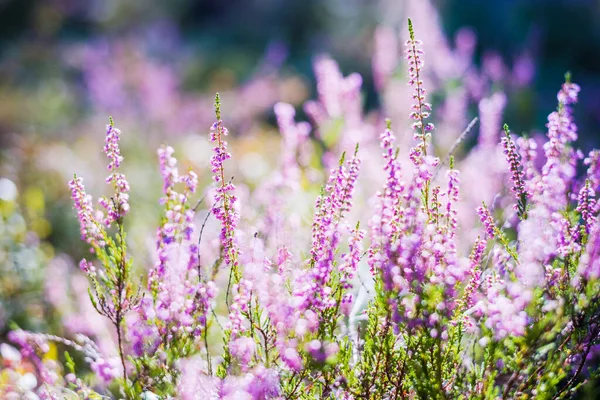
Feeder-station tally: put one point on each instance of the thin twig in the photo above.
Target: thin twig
(363, 283)
(457, 143)
(228, 289)
(208, 358)
(198, 203)
(200, 240)
(216, 319)
(363, 255)
(579, 368)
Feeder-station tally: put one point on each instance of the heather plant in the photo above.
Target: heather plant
(261, 317)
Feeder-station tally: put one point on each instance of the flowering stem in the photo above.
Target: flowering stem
(517, 175)
(230, 250)
(418, 83)
(120, 288)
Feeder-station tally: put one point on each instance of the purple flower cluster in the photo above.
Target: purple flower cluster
(243, 349)
(561, 131)
(349, 264)
(589, 266)
(487, 220)
(118, 205)
(516, 173)
(413, 230)
(339, 101)
(422, 163)
(474, 278)
(421, 109)
(284, 315)
(331, 207)
(111, 147)
(239, 306)
(217, 136)
(144, 335)
(427, 315)
(106, 369)
(178, 220)
(92, 222)
(256, 383)
(587, 205)
(34, 347)
(546, 232)
(386, 221)
(528, 150)
(504, 307)
(168, 168)
(181, 296)
(224, 208)
(337, 94)
(593, 172)
(320, 351)
(278, 191)
(453, 199)
(91, 230)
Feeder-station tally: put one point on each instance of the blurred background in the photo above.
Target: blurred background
(66, 65)
(63, 61)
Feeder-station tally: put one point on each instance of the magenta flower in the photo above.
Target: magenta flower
(91, 229)
(593, 172)
(589, 265)
(168, 167)
(528, 150)
(487, 220)
(516, 173)
(587, 205)
(350, 260)
(388, 218)
(545, 232)
(111, 146)
(453, 198)
(243, 349)
(241, 300)
(118, 205)
(474, 272)
(331, 207)
(421, 109)
(224, 208)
